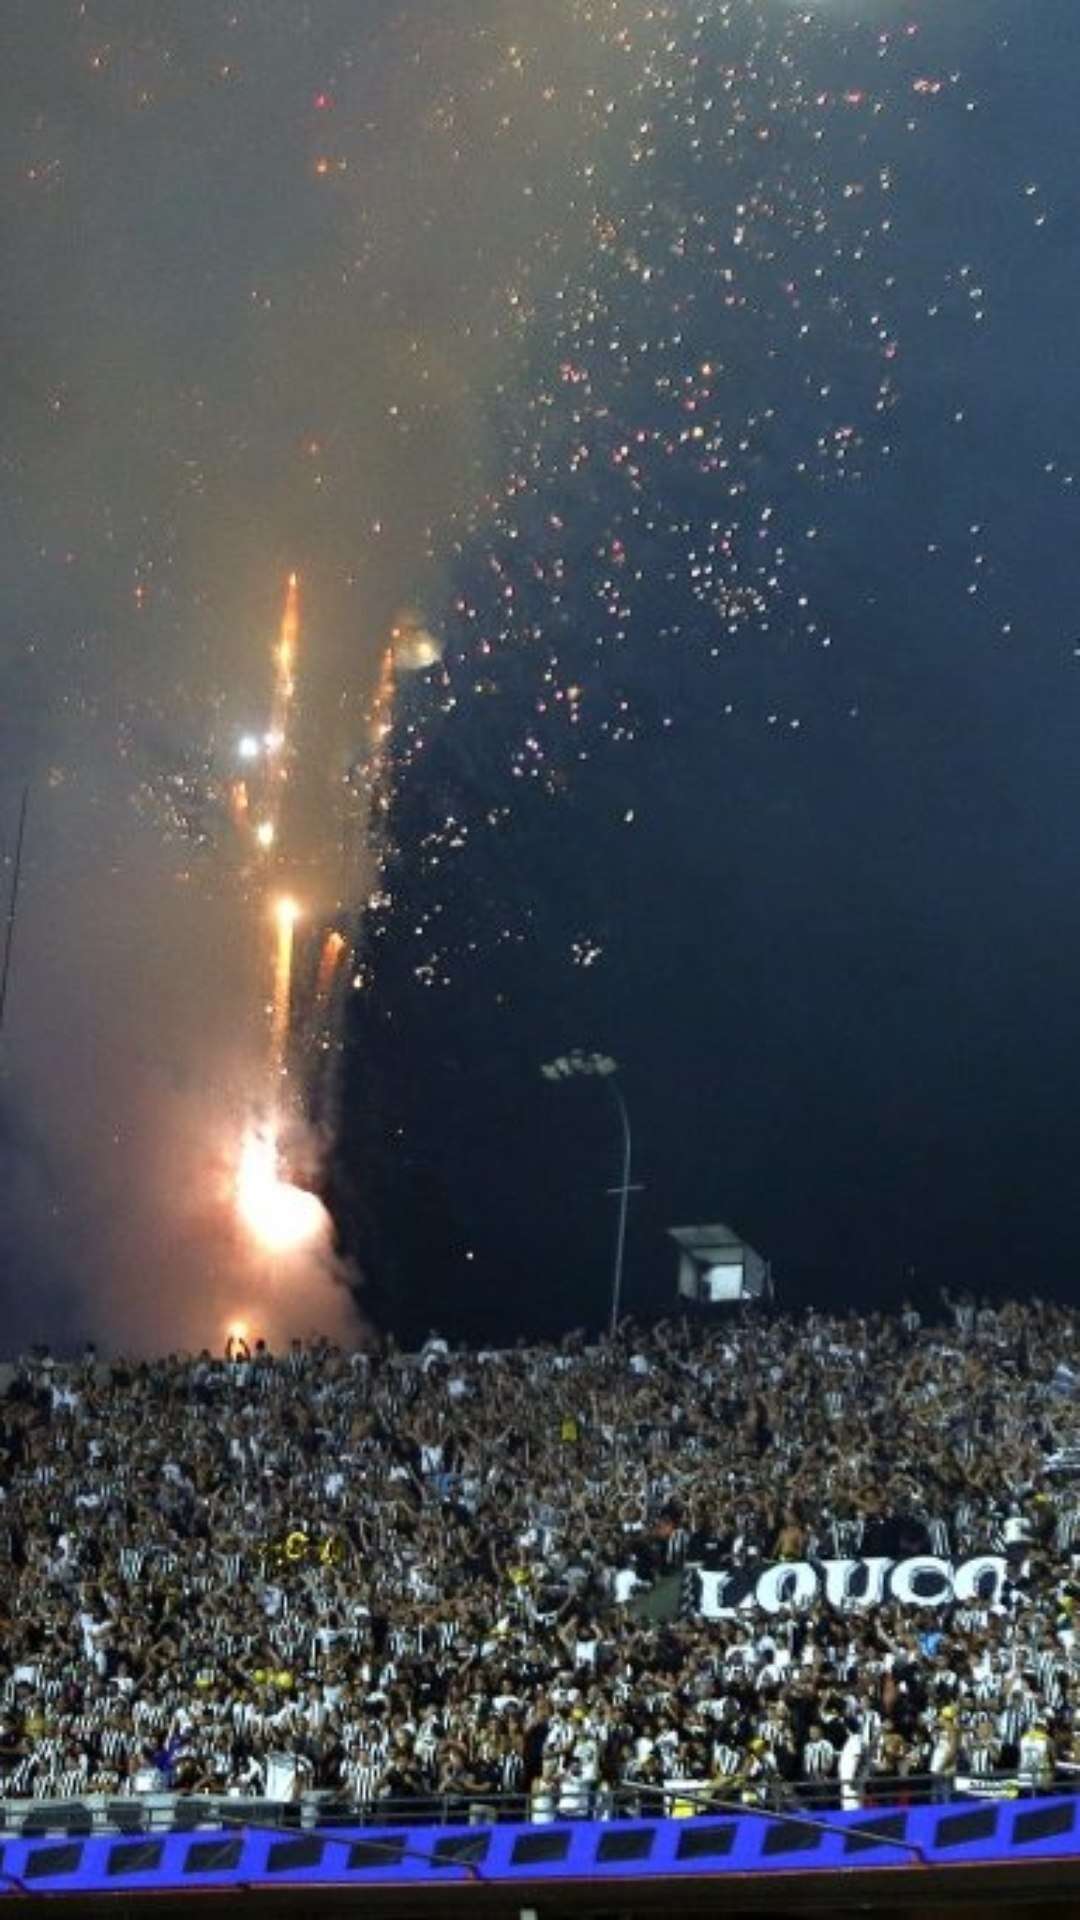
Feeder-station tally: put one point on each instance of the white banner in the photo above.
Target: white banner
(980, 1787)
(923, 1581)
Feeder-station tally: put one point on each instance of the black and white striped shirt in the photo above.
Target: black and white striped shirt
(819, 1758)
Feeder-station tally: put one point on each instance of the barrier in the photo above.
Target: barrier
(163, 1812)
(166, 1813)
(517, 1855)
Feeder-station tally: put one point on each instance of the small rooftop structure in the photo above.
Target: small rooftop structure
(717, 1267)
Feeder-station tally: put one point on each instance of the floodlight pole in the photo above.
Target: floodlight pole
(623, 1192)
(602, 1067)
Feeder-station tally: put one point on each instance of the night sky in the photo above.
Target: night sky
(703, 373)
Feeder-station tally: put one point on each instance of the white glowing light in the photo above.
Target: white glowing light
(249, 747)
(281, 1218)
(414, 647)
(265, 834)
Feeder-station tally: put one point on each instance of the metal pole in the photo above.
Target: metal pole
(624, 1197)
(13, 904)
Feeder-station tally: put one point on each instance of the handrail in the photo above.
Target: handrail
(743, 1809)
(320, 1811)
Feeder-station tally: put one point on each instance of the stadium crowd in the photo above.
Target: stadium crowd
(446, 1573)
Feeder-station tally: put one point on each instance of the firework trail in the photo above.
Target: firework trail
(279, 1214)
(286, 914)
(266, 828)
(277, 739)
(309, 979)
(334, 949)
(365, 800)
(267, 832)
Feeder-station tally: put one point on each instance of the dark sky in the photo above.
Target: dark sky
(704, 373)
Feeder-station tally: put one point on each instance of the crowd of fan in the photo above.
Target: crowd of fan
(431, 1574)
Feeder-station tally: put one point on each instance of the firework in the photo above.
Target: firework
(285, 916)
(281, 1218)
(415, 647)
(274, 747)
(335, 947)
(285, 662)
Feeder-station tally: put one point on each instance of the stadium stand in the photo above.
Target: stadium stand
(450, 1582)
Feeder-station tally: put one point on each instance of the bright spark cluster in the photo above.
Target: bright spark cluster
(713, 353)
(610, 322)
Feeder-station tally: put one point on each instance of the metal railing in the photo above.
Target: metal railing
(165, 1812)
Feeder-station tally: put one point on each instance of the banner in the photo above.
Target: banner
(923, 1581)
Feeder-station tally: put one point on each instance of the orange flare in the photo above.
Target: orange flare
(333, 951)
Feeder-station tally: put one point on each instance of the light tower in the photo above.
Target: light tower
(601, 1066)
